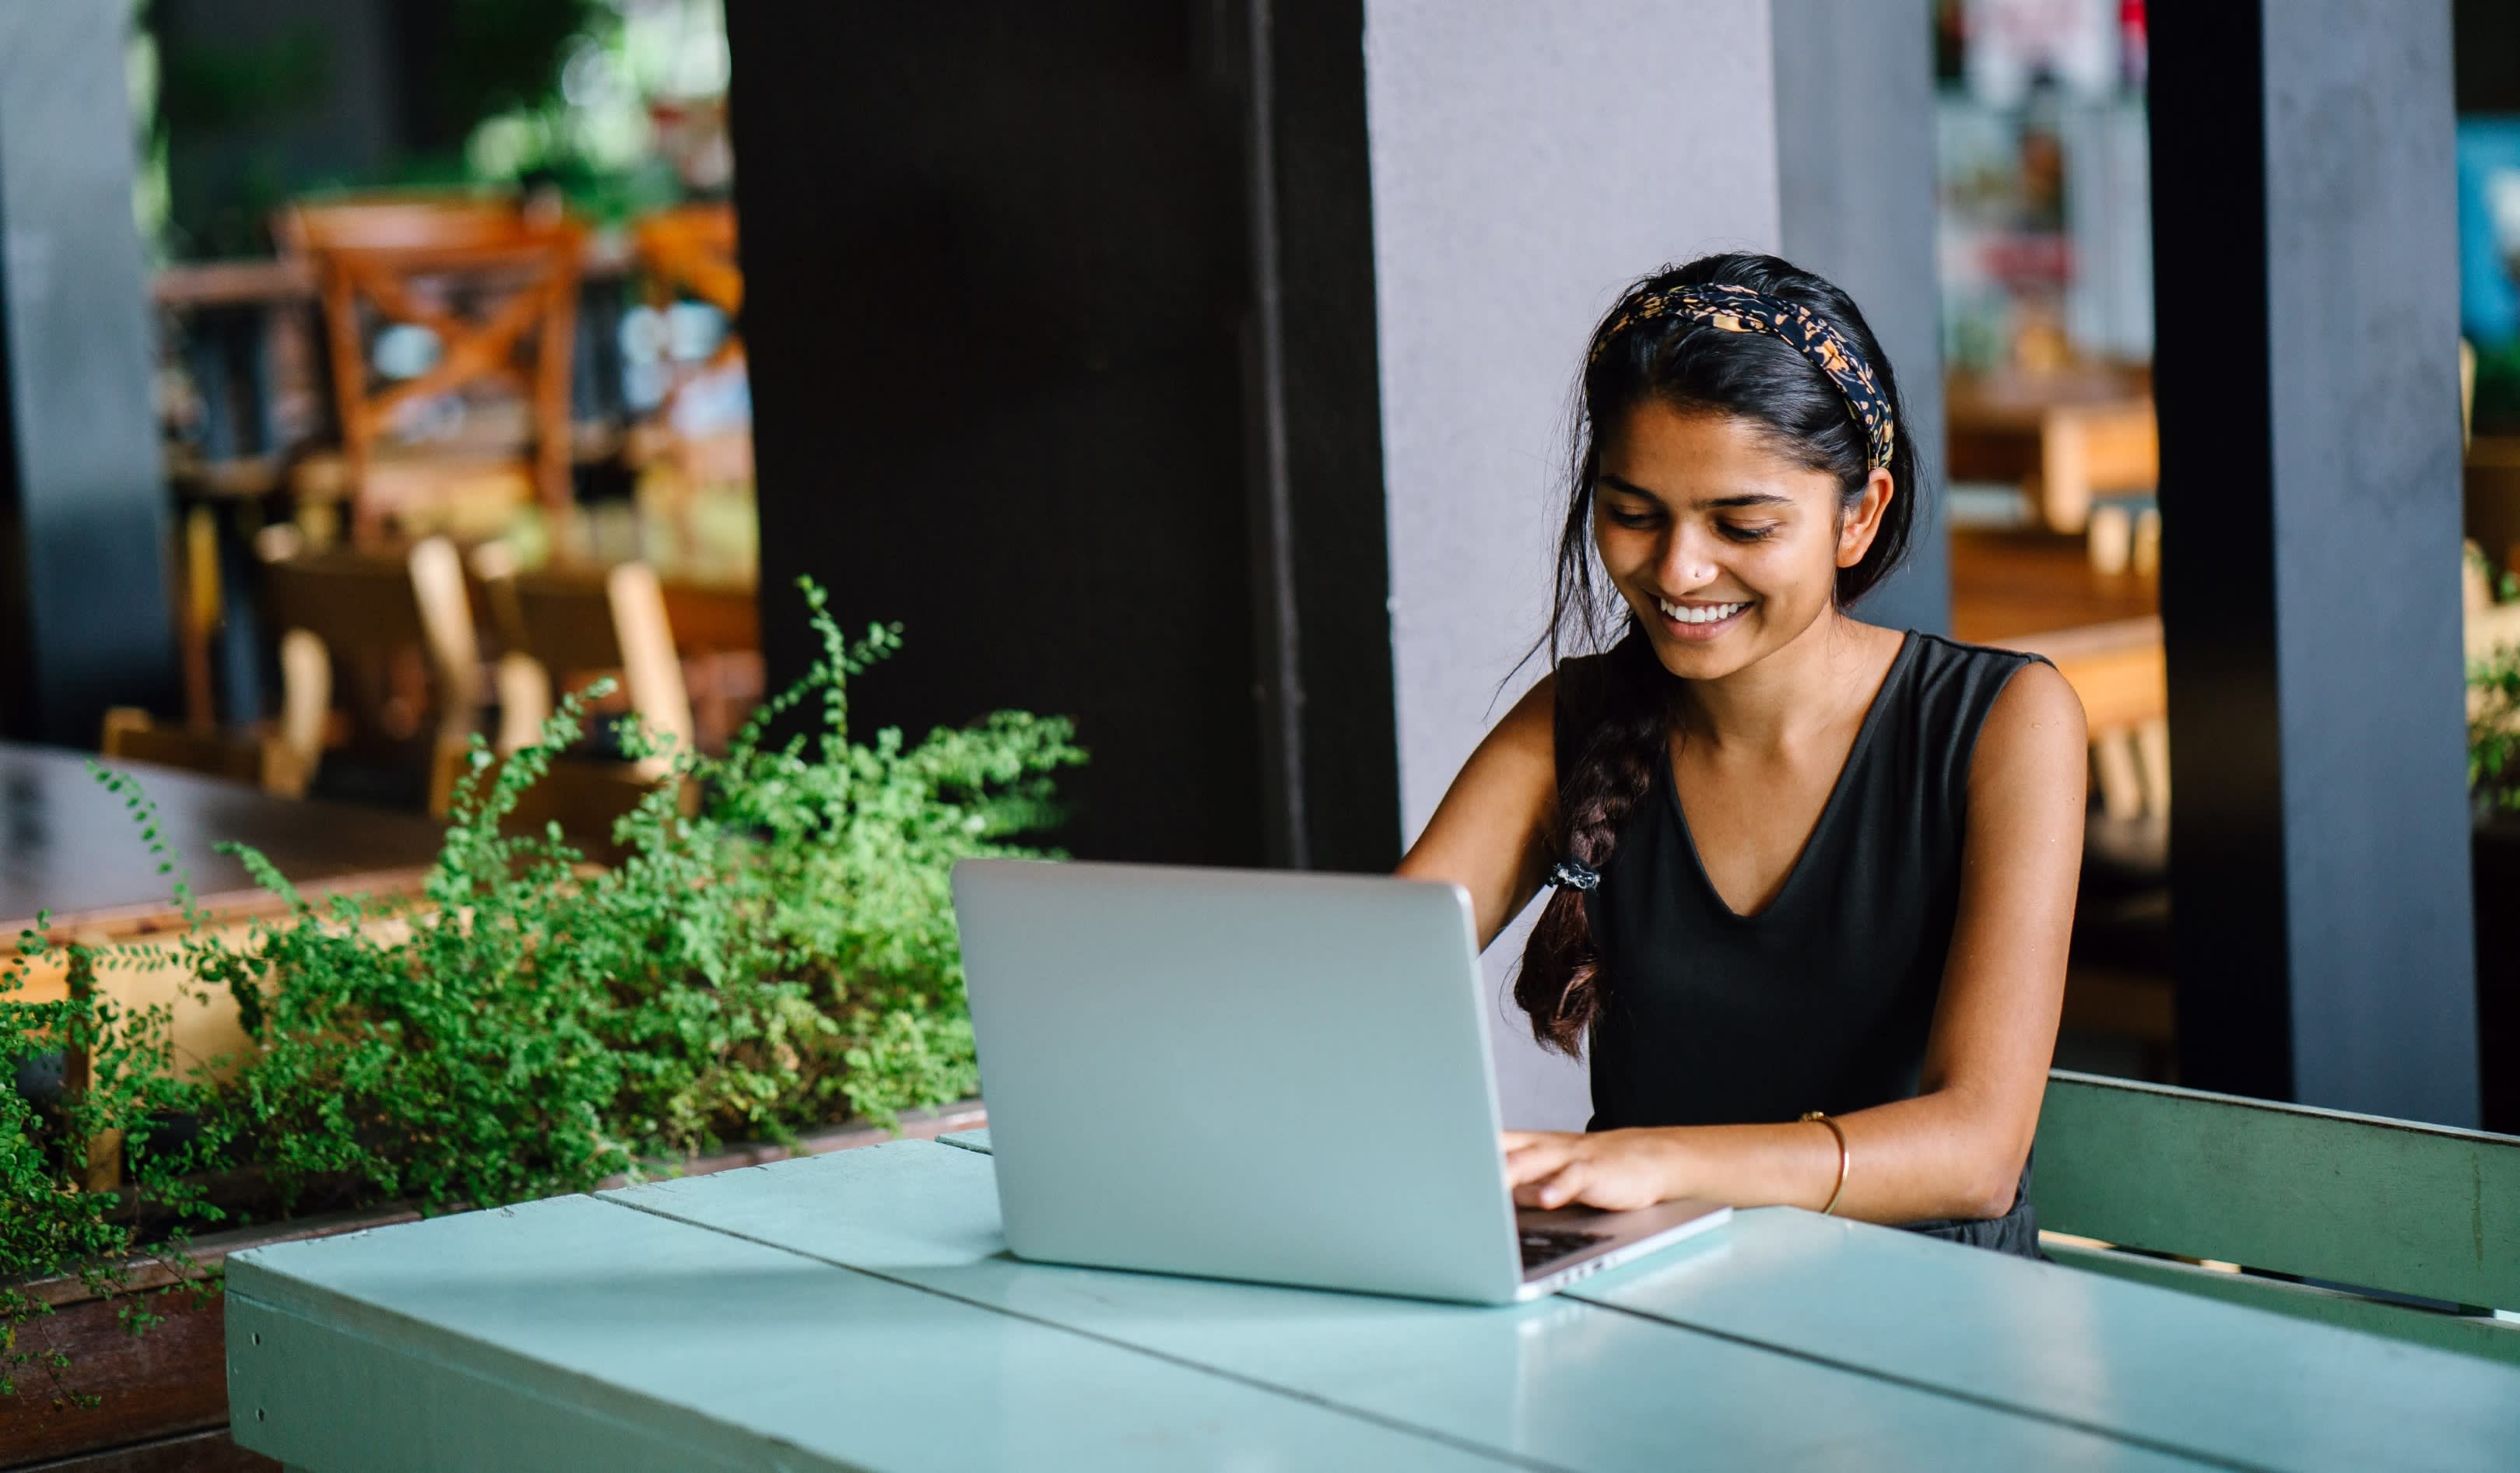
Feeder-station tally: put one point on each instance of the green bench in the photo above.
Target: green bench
(2394, 1207)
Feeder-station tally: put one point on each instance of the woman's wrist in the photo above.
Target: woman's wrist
(1844, 1159)
(1674, 1160)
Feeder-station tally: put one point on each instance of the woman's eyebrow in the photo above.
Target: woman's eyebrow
(1709, 504)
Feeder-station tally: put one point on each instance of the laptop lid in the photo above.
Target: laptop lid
(1239, 1074)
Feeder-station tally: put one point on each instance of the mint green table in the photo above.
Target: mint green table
(859, 1311)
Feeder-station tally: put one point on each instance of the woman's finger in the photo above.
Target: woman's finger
(1534, 1161)
(1564, 1187)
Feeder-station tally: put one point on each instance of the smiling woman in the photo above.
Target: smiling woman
(1814, 877)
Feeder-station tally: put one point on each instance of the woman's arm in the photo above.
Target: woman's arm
(1957, 1148)
(1488, 833)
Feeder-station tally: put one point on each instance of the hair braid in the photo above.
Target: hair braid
(1627, 698)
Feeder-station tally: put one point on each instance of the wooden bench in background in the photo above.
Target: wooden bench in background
(2366, 1207)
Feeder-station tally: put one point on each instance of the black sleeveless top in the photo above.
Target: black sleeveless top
(1822, 1001)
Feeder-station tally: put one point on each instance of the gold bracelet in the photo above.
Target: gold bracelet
(1845, 1157)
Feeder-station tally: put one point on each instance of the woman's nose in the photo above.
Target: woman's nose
(1686, 560)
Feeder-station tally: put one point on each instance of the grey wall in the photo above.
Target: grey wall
(1855, 152)
(1528, 162)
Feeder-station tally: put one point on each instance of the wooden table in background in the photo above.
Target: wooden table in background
(2009, 583)
(68, 846)
(2063, 438)
(861, 1311)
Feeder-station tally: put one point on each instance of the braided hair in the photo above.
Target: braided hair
(1617, 711)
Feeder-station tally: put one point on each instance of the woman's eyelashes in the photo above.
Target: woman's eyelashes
(1639, 521)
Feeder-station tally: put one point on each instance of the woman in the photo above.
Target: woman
(1814, 877)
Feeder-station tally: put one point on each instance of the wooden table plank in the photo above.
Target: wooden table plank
(580, 1333)
(1556, 1383)
(2226, 1382)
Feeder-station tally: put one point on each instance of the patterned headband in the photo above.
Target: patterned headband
(1739, 309)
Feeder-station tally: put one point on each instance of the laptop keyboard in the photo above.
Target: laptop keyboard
(1546, 1245)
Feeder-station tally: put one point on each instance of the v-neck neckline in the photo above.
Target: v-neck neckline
(1827, 809)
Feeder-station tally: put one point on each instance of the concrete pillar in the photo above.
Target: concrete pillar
(1529, 161)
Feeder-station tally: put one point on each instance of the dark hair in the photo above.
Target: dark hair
(1624, 704)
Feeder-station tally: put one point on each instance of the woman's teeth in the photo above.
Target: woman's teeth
(1710, 613)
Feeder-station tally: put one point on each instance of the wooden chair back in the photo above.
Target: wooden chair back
(691, 251)
(409, 261)
(651, 669)
(2353, 1201)
(353, 606)
(574, 624)
(691, 248)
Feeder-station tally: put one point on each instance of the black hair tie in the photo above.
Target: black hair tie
(1569, 875)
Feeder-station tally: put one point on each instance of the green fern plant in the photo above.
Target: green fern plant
(532, 1024)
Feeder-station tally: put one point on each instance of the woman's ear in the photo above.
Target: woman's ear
(1861, 521)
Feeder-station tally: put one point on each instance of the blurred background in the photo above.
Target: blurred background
(1197, 374)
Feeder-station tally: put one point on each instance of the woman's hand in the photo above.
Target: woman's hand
(1612, 1170)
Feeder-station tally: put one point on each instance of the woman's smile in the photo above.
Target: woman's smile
(1693, 619)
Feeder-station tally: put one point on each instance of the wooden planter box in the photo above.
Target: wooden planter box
(165, 1393)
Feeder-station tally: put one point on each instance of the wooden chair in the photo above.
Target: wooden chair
(2370, 1206)
(691, 251)
(576, 625)
(265, 758)
(374, 612)
(421, 261)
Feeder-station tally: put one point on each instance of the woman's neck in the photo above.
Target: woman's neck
(1797, 693)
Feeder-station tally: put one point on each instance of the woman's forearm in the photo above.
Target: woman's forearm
(1933, 1156)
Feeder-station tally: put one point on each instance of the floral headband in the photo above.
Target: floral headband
(1741, 309)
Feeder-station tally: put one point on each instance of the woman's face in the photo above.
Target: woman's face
(1724, 547)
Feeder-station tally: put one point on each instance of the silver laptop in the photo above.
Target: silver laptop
(1265, 1076)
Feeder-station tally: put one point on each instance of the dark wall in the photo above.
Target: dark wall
(2309, 469)
(1006, 325)
(2485, 55)
(85, 618)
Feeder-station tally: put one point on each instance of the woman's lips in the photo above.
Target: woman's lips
(1689, 621)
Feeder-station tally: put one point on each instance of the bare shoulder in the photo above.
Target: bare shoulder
(1531, 727)
(1486, 833)
(2036, 725)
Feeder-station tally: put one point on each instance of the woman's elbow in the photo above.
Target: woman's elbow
(1997, 1182)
